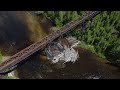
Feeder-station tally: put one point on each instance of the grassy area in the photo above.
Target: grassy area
(90, 48)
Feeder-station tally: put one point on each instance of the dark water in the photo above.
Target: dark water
(10, 25)
(89, 66)
(20, 29)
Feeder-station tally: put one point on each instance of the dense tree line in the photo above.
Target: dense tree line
(101, 35)
(60, 18)
(104, 34)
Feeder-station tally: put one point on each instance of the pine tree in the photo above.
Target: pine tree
(98, 33)
(74, 15)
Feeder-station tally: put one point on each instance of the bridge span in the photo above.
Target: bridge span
(20, 56)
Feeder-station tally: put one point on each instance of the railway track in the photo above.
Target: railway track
(20, 56)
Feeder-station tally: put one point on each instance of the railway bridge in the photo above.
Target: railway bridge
(20, 56)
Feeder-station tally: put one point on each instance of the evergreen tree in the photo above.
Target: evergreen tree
(98, 33)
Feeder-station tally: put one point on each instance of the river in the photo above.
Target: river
(19, 29)
(89, 66)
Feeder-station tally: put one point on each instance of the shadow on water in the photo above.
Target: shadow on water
(18, 29)
(10, 25)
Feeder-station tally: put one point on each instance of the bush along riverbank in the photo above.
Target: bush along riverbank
(101, 35)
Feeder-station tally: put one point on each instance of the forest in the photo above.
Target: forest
(101, 35)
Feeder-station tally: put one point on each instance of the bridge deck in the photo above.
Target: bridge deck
(20, 56)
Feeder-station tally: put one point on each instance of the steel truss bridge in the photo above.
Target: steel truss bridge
(20, 56)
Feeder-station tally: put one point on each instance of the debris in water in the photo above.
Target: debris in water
(61, 52)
